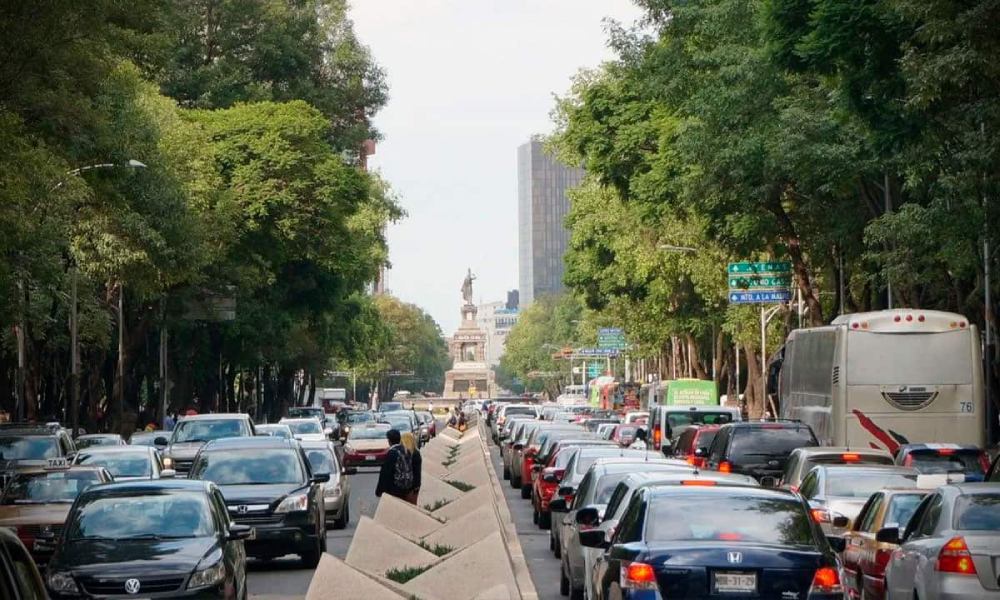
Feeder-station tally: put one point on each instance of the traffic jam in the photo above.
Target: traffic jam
(673, 499)
(177, 514)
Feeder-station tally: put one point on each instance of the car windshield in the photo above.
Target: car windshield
(170, 515)
(771, 520)
(401, 424)
(119, 464)
(853, 483)
(390, 406)
(320, 460)
(249, 467)
(28, 447)
(204, 430)
(360, 417)
(978, 512)
(678, 419)
(367, 433)
(304, 427)
(932, 462)
(45, 488)
(144, 439)
(87, 442)
(282, 431)
(584, 460)
(901, 508)
(302, 412)
(770, 441)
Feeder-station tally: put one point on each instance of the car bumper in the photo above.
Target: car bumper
(273, 541)
(364, 459)
(963, 587)
(219, 591)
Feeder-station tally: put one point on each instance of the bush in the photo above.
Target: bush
(460, 485)
(404, 574)
(436, 549)
(438, 504)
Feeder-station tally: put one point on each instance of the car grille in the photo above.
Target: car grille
(101, 585)
(183, 466)
(909, 400)
(256, 519)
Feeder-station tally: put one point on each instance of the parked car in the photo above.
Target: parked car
(950, 548)
(337, 491)
(267, 484)
(366, 446)
(123, 462)
(98, 439)
(19, 576)
(191, 433)
(836, 493)
(935, 459)
(166, 538)
(758, 449)
(753, 542)
(36, 501)
(802, 460)
(865, 557)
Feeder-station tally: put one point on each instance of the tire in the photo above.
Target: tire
(525, 492)
(515, 482)
(545, 520)
(575, 593)
(506, 473)
(563, 583)
(311, 557)
(552, 544)
(534, 515)
(345, 516)
(558, 547)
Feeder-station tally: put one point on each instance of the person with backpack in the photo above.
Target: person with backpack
(409, 442)
(396, 475)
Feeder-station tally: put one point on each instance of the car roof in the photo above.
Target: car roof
(956, 447)
(117, 449)
(150, 485)
(609, 463)
(98, 435)
(247, 442)
(296, 420)
(645, 478)
(722, 490)
(973, 488)
(273, 425)
(767, 425)
(316, 444)
(833, 450)
(74, 468)
(867, 468)
(215, 416)
(28, 430)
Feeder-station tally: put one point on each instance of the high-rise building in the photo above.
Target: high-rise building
(496, 320)
(542, 204)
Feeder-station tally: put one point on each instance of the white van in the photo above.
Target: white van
(663, 420)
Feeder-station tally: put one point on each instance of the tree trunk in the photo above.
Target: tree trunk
(799, 266)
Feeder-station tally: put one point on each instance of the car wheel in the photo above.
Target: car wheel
(558, 549)
(310, 558)
(525, 492)
(515, 482)
(563, 582)
(534, 515)
(545, 520)
(506, 473)
(345, 516)
(552, 544)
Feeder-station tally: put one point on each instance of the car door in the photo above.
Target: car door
(912, 554)
(630, 530)
(19, 578)
(717, 453)
(567, 533)
(859, 541)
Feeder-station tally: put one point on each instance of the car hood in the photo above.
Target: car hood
(258, 494)
(310, 437)
(130, 558)
(34, 514)
(368, 445)
(184, 450)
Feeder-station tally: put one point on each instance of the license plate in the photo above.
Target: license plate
(735, 583)
(371, 457)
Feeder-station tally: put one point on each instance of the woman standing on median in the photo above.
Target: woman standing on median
(409, 442)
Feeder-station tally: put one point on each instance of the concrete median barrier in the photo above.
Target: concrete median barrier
(404, 518)
(384, 549)
(336, 580)
(467, 573)
(465, 530)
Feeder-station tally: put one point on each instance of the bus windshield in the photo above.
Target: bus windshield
(943, 358)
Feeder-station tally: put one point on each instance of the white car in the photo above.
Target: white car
(307, 430)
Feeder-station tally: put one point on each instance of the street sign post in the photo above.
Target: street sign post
(611, 337)
(750, 282)
(759, 268)
(760, 297)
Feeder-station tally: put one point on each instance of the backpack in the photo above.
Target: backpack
(402, 474)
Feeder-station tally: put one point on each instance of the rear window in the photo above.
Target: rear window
(704, 440)
(846, 484)
(767, 441)
(980, 512)
(901, 508)
(519, 410)
(682, 517)
(933, 462)
(679, 419)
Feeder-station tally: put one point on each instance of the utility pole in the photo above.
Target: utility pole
(74, 355)
(888, 211)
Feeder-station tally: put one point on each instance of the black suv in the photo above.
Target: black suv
(758, 449)
(191, 433)
(268, 484)
(33, 446)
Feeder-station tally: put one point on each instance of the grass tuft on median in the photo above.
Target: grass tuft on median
(436, 549)
(459, 485)
(437, 504)
(404, 574)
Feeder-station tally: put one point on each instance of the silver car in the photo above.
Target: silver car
(337, 491)
(837, 493)
(950, 548)
(802, 460)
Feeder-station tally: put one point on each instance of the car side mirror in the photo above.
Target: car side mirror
(593, 538)
(888, 535)
(700, 451)
(558, 505)
(837, 543)
(840, 521)
(240, 532)
(161, 441)
(769, 482)
(350, 471)
(168, 474)
(320, 477)
(588, 516)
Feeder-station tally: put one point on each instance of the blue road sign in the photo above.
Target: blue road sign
(760, 297)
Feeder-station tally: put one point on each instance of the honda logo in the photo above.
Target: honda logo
(242, 509)
(132, 586)
(735, 558)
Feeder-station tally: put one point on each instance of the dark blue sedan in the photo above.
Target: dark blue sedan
(713, 541)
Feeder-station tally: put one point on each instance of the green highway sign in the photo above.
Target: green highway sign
(759, 282)
(759, 268)
(611, 337)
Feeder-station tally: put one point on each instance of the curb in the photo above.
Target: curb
(508, 531)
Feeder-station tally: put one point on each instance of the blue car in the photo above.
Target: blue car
(715, 541)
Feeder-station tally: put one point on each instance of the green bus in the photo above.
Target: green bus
(687, 392)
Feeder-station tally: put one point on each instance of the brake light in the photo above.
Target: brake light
(638, 576)
(725, 467)
(908, 461)
(729, 537)
(945, 451)
(984, 462)
(956, 558)
(657, 436)
(698, 482)
(850, 457)
(821, 515)
(826, 581)
(691, 460)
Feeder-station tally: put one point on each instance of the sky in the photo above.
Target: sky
(469, 81)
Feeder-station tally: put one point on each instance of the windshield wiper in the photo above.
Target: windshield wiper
(190, 441)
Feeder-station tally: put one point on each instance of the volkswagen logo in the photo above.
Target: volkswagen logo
(132, 586)
(735, 558)
(242, 509)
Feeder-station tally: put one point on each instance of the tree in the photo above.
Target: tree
(547, 325)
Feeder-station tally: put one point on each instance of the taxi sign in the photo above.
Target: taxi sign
(56, 463)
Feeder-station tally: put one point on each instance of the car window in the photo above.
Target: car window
(321, 460)
(605, 486)
(769, 441)
(790, 468)
(810, 485)
(304, 427)
(929, 520)
(619, 493)
(208, 429)
(677, 419)
(48, 487)
(583, 491)
(682, 517)
(866, 518)
(933, 462)
(979, 512)
(34, 447)
(249, 467)
(850, 483)
(631, 524)
(172, 515)
(119, 464)
(718, 450)
(901, 509)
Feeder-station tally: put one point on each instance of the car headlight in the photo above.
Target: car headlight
(294, 503)
(168, 463)
(331, 490)
(62, 583)
(348, 448)
(206, 577)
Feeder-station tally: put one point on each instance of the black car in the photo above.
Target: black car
(268, 484)
(758, 449)
(191, 433)
(150, 539)
(715, 541)
(19, 577)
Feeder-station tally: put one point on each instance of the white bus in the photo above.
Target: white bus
(881, 379)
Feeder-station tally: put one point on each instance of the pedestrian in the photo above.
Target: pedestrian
(453, 420)
(461, 422)
(430, 407)
(640, 440)
(409, 441)
(170, 421)
(396, 476)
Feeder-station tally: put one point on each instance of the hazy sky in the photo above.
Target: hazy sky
(469, 81)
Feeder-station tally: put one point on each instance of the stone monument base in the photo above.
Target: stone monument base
(468, 381)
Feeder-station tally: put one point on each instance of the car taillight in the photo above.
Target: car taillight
(691, 460)
(984, 462)
(945, 451)
(826, 581)
(882, 557)
(956, 558)
(725, 467)
(657, 436)
(638, 576)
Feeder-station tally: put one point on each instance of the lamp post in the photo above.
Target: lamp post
(74, 306)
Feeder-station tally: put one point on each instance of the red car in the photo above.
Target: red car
(551, 473)
(694, 442)
(624, 435)
(366, 446)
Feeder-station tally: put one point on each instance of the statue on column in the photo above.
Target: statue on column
(467, 287)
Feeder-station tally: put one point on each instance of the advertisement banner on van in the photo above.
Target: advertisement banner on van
(688, 392)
